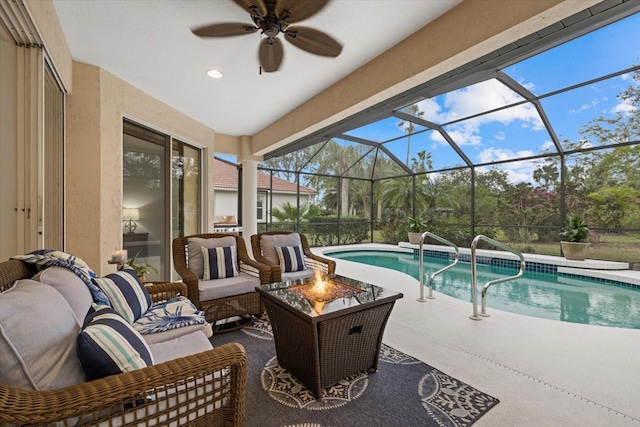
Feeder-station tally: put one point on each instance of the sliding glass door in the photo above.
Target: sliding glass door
(161, 188)
(143, 197)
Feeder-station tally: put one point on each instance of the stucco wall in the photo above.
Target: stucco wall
(46, 20)
(95, 112)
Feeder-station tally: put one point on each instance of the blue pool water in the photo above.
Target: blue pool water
(538, 294)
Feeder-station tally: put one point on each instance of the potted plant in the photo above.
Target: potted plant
(415, 227)
(141, 269)
(575, 235)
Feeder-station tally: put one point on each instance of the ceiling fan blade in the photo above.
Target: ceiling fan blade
(291, 11)
(313, 41)
(270, 54)
(224, 30)
(254, 7)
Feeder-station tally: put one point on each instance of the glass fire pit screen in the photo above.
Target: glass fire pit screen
(323, 295)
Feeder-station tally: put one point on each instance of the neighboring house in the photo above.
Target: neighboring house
(225, 187)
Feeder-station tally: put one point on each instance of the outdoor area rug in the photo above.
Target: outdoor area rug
(403, 392)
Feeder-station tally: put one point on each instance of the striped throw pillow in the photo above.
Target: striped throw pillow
(108, 345)
(126, 294)
(291, 258)
(220, 262)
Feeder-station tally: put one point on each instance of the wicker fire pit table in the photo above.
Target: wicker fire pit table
(322, 336)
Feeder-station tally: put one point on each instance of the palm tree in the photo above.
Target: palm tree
(408, 126)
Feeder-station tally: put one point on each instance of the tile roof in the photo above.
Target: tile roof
(225, 175)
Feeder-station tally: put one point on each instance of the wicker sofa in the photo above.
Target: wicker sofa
(190, 382)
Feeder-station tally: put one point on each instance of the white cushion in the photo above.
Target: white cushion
(268, 243)
(37, 338)
(171, 334)
(185, 345)
(295, 275)
(72, 288)
(222, 288)
(195, 262)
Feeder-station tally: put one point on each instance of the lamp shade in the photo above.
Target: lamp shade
(130, 214)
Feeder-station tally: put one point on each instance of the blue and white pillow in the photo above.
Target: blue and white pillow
(291, 258)
(220, 263)
(108, 345)
(126, 294)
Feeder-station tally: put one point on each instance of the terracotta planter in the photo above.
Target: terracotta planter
(576, 251)
(414, 238)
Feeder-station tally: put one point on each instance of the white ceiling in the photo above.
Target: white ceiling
(149, 44)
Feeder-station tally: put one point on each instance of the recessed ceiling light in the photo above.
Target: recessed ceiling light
(214, 74)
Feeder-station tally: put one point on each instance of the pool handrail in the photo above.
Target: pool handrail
(474, 294)
(433, 275)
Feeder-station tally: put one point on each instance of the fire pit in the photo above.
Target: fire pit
(324, 289)
(325, 331)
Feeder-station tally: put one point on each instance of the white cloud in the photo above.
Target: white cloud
(432, 111)
(461, 136)
(548, 146)
(518, 171)
(496, 154)
(474, 99)
(588, 106)
(625, 107)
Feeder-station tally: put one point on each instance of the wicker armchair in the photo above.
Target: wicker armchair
(206, 388)
(243, 303)
(312, 261)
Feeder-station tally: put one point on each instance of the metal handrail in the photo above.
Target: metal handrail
(474, 294)
(433, 275)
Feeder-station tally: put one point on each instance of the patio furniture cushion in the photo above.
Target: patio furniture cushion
(220, 262)
(72, 288)
(185, 345)
(37, 354)
(268, 244)
(195, 260)
(222, 288)
(296, 275)
(290, 258)
(126, 294)
(108, 345)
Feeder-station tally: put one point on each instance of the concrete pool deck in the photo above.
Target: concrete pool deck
(544, 372)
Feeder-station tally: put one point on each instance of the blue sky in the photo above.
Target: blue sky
(518, 131)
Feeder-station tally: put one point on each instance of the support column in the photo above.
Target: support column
(249, 191)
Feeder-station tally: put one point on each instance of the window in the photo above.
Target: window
(260, 209)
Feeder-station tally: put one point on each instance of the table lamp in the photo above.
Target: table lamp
(130, 216)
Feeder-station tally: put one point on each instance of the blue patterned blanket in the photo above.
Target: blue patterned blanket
(171, 314)
(51, 257)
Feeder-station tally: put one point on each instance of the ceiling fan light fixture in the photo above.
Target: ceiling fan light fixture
(214, 74)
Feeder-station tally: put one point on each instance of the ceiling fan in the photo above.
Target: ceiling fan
(272, 17)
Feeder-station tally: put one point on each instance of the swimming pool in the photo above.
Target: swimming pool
(539, 294)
